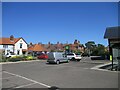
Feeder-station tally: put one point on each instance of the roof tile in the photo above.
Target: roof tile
(4, 41)
(37, 47)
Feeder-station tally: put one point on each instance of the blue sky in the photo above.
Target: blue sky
(44, 22)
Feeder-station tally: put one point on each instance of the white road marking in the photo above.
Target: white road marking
(25, 85)
(27, 79)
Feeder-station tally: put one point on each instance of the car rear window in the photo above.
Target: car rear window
(77, 54)
(70, 54)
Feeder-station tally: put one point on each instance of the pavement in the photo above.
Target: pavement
(39, 74)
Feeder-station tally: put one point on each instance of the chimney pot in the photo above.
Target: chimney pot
(12, 38)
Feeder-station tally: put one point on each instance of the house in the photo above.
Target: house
(54, 47)
(35, 49)
(17, 46)
(76, 46)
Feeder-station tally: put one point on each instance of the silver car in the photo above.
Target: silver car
(57, 57)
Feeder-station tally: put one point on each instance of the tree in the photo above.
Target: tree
(90, 45)
(99, 50)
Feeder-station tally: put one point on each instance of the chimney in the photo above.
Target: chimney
(31, 44)
(58, 43)
(78, 42)
(11, 38)
(39, 43)
(75, 42)
(49, 43)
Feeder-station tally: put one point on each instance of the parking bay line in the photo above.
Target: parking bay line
(25, 85)
(28, 79)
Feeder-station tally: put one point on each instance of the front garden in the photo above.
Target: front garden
(17, 58)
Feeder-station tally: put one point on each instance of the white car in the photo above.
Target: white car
(10, 55)
(73, 56)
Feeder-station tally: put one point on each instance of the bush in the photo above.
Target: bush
(29, 58)
(15, 58)
(3, 59)
(85, 54)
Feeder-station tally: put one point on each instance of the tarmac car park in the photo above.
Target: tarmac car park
(38, 74)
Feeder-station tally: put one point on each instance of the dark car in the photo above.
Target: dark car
(43, 56)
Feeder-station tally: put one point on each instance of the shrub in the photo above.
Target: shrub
(15, 58)
(3, 59)
(30, 58)
(24, 58)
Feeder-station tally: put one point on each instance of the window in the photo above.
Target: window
(5, 46)
(20, 45)
(12, 53)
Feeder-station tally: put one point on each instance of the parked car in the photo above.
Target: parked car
(8, 55)
(56, 57)
(43, 56)
(73, 56)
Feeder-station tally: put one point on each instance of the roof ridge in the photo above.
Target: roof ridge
(9, 37)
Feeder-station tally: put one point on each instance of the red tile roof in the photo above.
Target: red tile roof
(8, 41)
(36, 47)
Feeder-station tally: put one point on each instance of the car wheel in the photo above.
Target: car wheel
(57, 62)
(73, 58)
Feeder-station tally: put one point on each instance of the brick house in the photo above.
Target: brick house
(76, 46)
(35, 49)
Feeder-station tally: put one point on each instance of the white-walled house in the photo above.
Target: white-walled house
(18, 46)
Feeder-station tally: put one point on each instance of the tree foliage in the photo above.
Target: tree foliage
(95, 49)
(99, 50)
(90, 45)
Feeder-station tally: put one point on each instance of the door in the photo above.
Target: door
(18, 52)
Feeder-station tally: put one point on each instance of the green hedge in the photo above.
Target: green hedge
(17, 58)
(29, 58)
